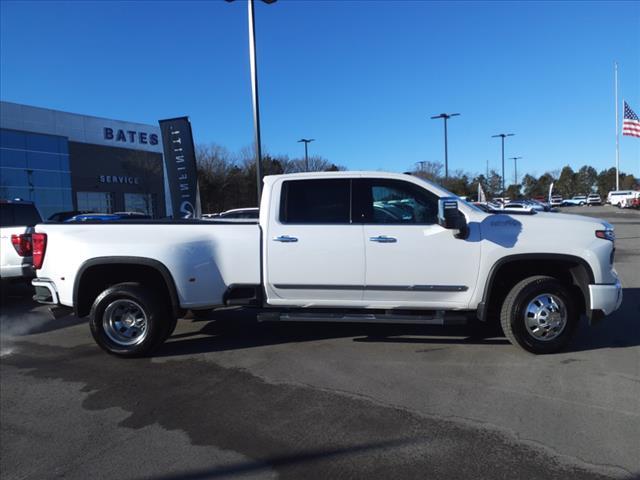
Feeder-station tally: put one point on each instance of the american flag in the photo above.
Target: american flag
(630, 123)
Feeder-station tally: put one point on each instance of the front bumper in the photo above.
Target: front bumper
(605, 298)
(45, 291)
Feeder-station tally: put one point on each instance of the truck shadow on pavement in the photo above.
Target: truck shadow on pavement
(619, 330)
(239, 329)
(246, 332)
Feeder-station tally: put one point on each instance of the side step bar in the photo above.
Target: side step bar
(432, 318)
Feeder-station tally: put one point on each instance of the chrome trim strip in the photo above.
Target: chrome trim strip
(392, 288)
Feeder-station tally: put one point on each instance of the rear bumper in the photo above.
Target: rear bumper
(605, 298)
(17, 271)
(45, 291)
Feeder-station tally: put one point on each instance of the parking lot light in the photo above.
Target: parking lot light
(503, 136)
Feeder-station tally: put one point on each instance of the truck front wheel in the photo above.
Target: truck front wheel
(539, 315)
(129, 320)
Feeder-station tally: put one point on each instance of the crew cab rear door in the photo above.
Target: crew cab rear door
(314, 252)
(411, 261)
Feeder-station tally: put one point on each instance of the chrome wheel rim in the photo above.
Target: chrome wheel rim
(545, 317)
(125, 322)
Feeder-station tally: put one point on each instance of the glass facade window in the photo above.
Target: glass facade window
(97, 202)
(36, 167)
(139, 202)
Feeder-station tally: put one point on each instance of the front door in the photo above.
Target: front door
(315, 254)
(410, 259)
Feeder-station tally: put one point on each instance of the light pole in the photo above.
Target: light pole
(253, 61)
(515, 169)
(445, 116)
(306, 142)
(503, 136)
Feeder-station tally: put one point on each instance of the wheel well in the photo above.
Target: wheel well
(571, 272)
(94, 279)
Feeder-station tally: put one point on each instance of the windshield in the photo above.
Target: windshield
(443, 192)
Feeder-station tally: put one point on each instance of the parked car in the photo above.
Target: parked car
(64, 216)
(320, 253)
(537, 206)
(576, 200)
(615, 197)
(594, 199)
(17, 219)
(628, 201)
(239, 213)
(517, 206)
(556, 201)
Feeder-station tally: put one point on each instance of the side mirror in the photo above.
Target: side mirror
(449, 217)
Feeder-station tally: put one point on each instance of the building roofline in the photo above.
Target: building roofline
(2, 102)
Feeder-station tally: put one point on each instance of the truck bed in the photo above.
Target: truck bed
(204, 258)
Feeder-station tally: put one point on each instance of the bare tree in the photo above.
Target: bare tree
(429, 170)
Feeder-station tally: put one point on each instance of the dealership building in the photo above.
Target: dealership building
(66, 161)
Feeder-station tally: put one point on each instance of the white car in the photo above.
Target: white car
(628, 201)
(517, 206)
(322, 251)
(594, 199)
(616, 197)
(577, 200)
(556, 201)
(17, 219)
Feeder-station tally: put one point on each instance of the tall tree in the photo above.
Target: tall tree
(529, 185)
(586, 179)
(494, 184)
(606, 181)
(429, 170)
(566, 184)
(513, 192)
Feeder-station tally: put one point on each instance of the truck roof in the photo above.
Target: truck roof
(345, 173)
(270, 179)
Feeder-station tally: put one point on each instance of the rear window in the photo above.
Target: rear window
(316, 201)
(18, 215)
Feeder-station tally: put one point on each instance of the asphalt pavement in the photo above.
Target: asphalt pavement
(236, 399)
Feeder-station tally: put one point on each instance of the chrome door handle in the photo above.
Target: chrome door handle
(383, 239)
(285, 239)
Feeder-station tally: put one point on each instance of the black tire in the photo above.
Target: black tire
(515, 315)
(141, 303)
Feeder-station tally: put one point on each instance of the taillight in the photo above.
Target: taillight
(22, 244)
(607, 234)
(39, 243)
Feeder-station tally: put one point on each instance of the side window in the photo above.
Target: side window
(395, 202)
(316, 201)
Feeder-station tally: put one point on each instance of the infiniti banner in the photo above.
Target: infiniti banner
(180, 161)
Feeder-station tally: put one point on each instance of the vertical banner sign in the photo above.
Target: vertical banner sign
(180, 160)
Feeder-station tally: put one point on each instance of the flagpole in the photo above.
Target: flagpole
(617, 132)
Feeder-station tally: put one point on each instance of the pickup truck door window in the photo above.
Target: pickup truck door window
(410, 259)
(314, 253)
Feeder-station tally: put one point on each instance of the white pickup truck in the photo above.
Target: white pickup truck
(339, 246)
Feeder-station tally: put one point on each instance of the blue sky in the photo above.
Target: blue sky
(360, 77)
